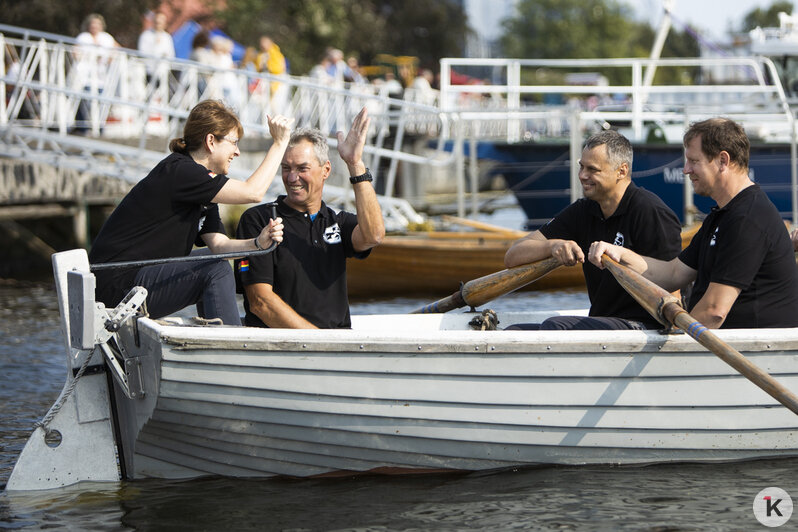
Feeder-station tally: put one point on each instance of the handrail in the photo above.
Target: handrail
(42, 94)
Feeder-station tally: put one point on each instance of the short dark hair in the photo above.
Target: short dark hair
(619, 149)
(721, 134)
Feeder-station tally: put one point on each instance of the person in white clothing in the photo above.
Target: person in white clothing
(93, 52)
(158, 43)
(93, 55)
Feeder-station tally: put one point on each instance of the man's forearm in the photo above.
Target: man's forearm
(369, 214)
(273, 311)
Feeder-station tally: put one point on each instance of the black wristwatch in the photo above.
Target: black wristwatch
(360, 178)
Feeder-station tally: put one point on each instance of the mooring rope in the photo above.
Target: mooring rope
(64, 396)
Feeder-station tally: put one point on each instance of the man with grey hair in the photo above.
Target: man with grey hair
(613, 209)
(302, 284)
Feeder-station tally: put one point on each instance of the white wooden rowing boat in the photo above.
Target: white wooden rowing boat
(399, 393)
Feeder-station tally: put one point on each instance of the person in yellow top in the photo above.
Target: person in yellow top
(270, 60)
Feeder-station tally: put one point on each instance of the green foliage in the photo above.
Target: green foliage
(305, 28)
(302, 28)
(425, 29)
(64, 17)
(586, 29)
(765, 17)
(548, 29)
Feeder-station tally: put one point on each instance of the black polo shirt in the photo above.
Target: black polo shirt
(308, 269)
(746, 245)
(162, 216)
(642, 222)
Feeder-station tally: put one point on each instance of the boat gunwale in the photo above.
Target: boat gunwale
(462, 341)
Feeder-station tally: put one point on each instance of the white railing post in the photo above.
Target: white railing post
(44, 61)
(61, 83)
(638, 96)
(513, 100)
(3, 107)
(473, 172)
(575, 154)
(459, 167)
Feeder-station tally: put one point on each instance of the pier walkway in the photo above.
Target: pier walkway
(58, 161)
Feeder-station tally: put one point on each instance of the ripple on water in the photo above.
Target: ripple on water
(666, 497)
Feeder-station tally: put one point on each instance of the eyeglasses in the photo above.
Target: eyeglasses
(234, 142)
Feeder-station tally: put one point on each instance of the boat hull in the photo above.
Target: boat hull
(435, 265)
(420, 393)
(539, 176)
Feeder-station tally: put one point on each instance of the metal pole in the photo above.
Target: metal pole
(576, 149)
(473, 173)
(459, 168)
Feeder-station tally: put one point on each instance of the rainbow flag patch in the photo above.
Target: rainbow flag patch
(243, 266)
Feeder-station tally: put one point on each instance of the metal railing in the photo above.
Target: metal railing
(113, 110)
(566, 98)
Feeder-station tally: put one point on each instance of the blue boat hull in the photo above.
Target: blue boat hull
(539, 176)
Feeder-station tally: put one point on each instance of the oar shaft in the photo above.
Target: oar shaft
(486, 288)
(736, 360)
(660, 304)
(484, 226)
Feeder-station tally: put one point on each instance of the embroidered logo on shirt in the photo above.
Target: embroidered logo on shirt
(243, 266)
(714, 237)
(201, 222)
(332, 235)
(618, 239)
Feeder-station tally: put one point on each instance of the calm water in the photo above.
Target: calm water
(673, 497)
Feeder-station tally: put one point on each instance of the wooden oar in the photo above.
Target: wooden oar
(666, 308)
(484, 226)
(486, 288)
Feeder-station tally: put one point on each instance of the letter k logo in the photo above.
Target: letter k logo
(772, 506)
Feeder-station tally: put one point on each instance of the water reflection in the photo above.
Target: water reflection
(669, 497)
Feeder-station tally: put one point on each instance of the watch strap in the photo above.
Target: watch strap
(360, 178)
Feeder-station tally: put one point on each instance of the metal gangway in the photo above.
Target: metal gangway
(115, 116)
(112, 112)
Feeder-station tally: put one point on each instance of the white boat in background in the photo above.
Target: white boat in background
(396, 394)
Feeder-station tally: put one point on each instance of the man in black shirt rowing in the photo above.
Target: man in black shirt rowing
(613, 209)
(742, 259)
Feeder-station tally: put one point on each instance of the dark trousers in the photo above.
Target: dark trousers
(208, 284)
(582, 323)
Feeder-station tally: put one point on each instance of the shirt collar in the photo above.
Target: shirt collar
(286, 210)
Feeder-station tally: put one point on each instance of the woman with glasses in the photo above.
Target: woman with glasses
(175, 207)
